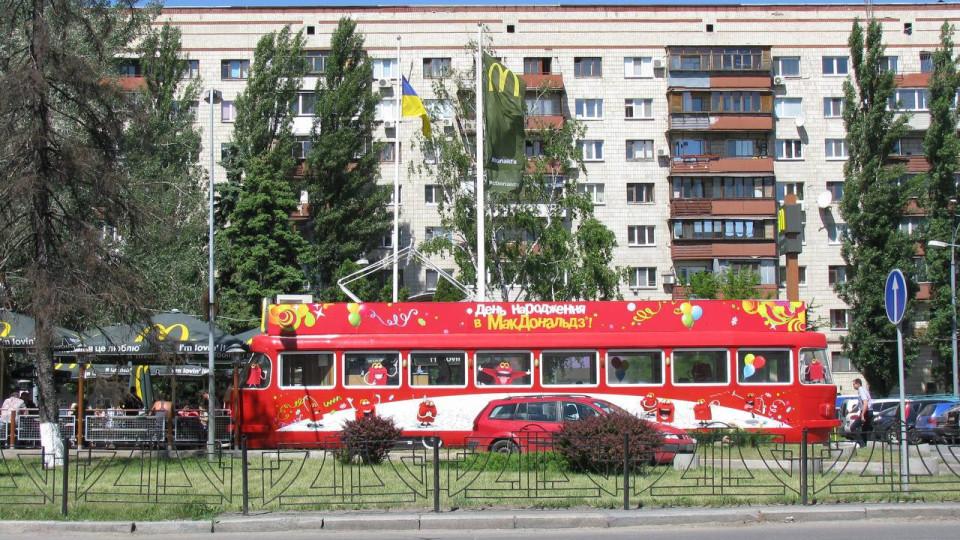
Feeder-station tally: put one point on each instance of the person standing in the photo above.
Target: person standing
(864, 424)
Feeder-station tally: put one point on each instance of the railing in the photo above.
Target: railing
(726, 466)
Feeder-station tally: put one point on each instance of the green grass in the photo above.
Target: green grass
(121, 487)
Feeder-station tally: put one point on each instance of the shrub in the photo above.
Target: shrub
(596, 444)
(370, 439)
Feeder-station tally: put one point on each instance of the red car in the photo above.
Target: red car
(515, 423)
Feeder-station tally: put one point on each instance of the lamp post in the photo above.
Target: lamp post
(211, 299)
(953, 300)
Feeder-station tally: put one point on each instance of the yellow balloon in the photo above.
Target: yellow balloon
(748, 359)
(353, 307)
(685, 308)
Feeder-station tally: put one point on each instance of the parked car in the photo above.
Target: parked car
(950, 429)
(929, 418)
(518, 423)
(886, 424)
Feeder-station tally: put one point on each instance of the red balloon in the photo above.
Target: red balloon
(759, 362)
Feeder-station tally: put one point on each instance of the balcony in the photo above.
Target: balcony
(766, 292)
(723, 207)
(703, 121)
(129, 84)
(552, 168)
(722, 249)
(552, 82)
(714, 164)
(538, 122)
(302, 213)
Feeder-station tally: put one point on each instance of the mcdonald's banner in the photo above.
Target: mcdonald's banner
(503, 124)
(172, 333)
(19, 331)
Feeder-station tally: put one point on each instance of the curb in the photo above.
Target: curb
(490, 520)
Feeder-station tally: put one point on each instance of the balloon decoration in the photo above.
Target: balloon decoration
(354, 316)
(748, 371)
(759, 362)
(616, 362)
(689, 314)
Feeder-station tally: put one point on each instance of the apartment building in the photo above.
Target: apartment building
(699, 119)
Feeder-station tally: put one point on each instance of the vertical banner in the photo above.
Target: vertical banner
(503, 93)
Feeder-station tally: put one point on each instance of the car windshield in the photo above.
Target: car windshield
(608, 408)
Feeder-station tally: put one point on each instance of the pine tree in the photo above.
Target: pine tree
(942, 150)
(348, 210)
(60, 181)
(872, 206)
(261, 250)
(161, 151)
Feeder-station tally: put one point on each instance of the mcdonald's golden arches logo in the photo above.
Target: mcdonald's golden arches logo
(504, 74)
(5, 329)
(163, 331)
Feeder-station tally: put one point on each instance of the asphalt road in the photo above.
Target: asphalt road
(946, 529)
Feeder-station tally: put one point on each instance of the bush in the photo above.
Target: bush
(370, 439)
(596, 444)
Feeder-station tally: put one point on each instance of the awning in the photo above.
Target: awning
(19, 332)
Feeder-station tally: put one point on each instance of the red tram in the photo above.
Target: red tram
(433, 366)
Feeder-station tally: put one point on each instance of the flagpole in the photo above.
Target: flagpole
(481, 231)
(398, 95)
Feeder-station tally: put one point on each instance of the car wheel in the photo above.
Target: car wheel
(913, 437)
(504, 446)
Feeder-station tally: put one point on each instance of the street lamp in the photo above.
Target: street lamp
(211, 98)
(953, 300)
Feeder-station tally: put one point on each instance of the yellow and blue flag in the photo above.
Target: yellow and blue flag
(412, 105)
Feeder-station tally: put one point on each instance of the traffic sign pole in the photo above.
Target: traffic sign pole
(895, 302)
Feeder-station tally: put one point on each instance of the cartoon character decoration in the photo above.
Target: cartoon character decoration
(665, 411)
(426, 413)
(619, 366)
(255, 376)
(702, 411)
(365, 409)
(378, 375)
(649, 404)
(303, 408)
(504, 373)
(815, 372)
(749, 403)
(751, 363)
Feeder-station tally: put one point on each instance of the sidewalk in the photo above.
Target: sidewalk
(498, 519)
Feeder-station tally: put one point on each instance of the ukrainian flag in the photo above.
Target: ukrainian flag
(412, 105)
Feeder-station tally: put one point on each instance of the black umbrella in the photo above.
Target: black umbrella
(172, 333)
(245, 337)
(20, 332)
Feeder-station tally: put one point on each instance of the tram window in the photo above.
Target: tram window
(503, 368)
(634, 367)
(306, 369)
(372, 368)
(256, 374)
(568, 368)
(763, 366)
(814, 368)
(438, 368)
(700, 367)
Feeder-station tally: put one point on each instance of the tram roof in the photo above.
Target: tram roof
(519, 318)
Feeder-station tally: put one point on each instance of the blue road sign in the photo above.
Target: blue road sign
(895, 296)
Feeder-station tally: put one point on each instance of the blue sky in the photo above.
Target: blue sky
(248, 3)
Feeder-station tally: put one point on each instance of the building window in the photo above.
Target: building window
(301, 148)
(587, 67)
(440, 109)
(432, 193)
(640, 235)
(832, 107)
(436, 232)
(926, 62)
(228, 112)
(638, 193)
(911, 225)
(789, 149)
(888, 63)
(836, 190)
(436, 68)
(726, 229)
(537, 65)
(788, 107)
(591, 150)
(639, 150)
(387, 152)
(909, 99)
(836, 275)
(735, 102)
(594, 191)
(783, 276)
(637, 67)
(834, 65)
(386, 110)
(385, 68)
(840, 363)
(786, 66)
(789, 188)
(191, 69)
(544, 105)
(234, 69)
(836, 233)
(638, 108)
(128, 67)
(305, 104)
(316, 61)
(533, 148)
(589, 109)
(644, 277)
(432, 278)
(835, 148)
(839, 319)
(740, 148)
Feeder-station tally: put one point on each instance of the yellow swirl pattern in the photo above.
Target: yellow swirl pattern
(643, 315)
(292, 316)
(791, 315)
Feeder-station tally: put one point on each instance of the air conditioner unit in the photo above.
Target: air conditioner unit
(388, 124)
(657, 63)
(661, 151)
(384, 83)
(294, 298)
(669, 279)
(778, 81)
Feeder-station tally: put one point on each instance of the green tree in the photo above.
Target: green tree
(261, 250)
(729, 285)
(942, 149)
(61, 181)
(161, 151)
(348, 214)
(542, 241)
(872, 206)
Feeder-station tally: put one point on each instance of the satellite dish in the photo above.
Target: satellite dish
(800, 120)
(824, 200)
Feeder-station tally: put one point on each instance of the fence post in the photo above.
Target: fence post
(436, 475)
(626, 471)
(244, 492)
(804, 468)
(66, 476)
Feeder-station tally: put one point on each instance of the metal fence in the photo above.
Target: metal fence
(726, 466)
(28, 428)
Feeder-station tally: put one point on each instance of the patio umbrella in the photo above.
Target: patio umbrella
(245, 337)
(171, 333)
(20, 332)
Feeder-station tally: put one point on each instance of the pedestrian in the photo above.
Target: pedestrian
(132, 403)
(864, 423)
(10, 405)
